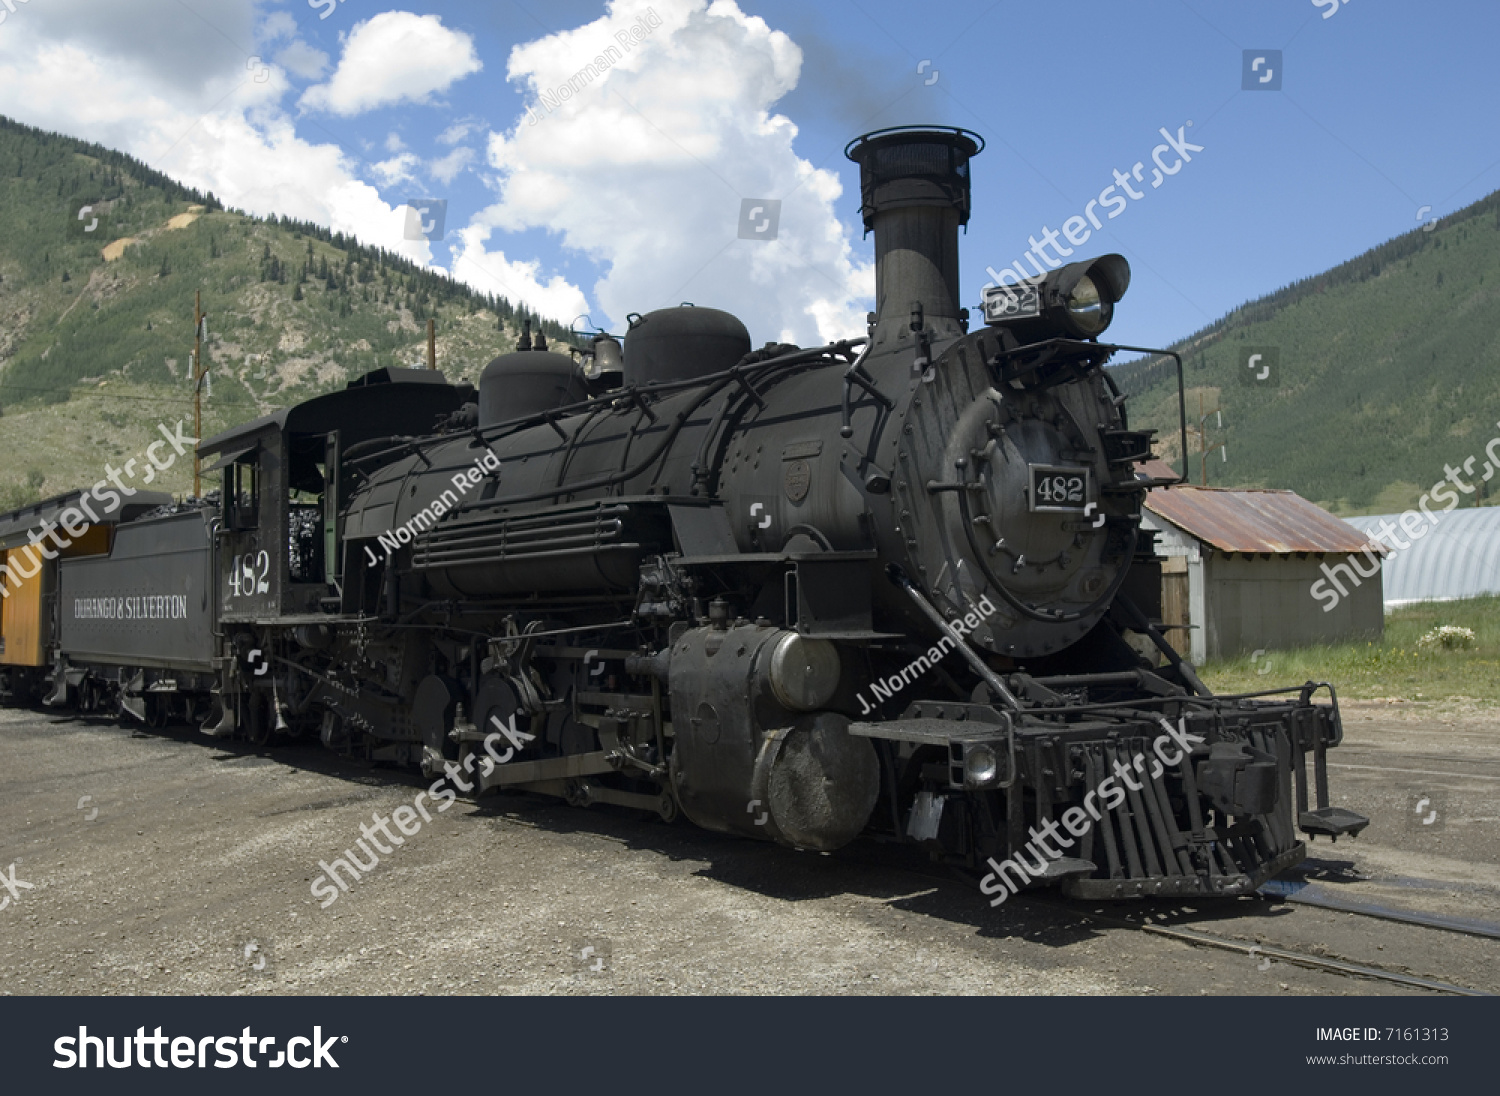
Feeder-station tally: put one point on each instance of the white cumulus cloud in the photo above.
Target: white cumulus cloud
(491, 272)
(303, 60)
(638, 151)
(228, 136)
(397, 169)
(446, 168)
(457, 131)
(394, 57)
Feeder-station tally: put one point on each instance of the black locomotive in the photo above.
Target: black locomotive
(895, 585)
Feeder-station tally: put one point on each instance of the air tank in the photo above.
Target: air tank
(683, 343)
(526, 381)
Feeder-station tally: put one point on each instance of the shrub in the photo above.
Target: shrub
(1447, 637)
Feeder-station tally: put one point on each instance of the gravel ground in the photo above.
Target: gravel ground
(194, 877)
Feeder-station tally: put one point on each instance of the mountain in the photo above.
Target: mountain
(1379, 373)
(96, 313)
(1387, 368)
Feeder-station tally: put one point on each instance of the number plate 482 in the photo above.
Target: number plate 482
(1056, 488)
(249, 574)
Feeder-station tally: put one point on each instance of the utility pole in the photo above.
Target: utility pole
(431, 343)
(1204, 449)
(198, 318)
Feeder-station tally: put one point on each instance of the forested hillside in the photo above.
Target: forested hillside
(96, 312)
(1386, 368)
(1382, 371)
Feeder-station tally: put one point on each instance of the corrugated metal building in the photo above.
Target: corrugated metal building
(1243, 569)
(1456, 555)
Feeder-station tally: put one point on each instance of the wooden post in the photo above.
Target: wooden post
(197, 385)
(431, 343)
(1204, 449)
(1202, 441)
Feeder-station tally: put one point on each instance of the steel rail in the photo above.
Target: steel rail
(1439, 921)
(1197, 938)
(1316, 962)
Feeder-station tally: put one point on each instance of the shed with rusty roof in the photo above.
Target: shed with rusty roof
(1250, 569)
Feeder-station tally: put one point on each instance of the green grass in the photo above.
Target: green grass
(1391, 667)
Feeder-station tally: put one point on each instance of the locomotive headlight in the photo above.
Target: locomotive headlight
(1076, 301)
(1089, 312)
(804, 673)
(981, 766)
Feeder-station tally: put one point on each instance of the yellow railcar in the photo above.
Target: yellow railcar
(28, 581)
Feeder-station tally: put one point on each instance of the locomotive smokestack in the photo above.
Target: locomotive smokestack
(914, 195)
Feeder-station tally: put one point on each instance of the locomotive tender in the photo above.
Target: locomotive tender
(895, 585)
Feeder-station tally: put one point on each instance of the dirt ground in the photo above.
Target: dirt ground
(167, 863)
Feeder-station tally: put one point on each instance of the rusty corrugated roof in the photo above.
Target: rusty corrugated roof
(1255, 520)
(1154, 468)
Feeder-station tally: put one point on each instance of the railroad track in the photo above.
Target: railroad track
(1310, 894)
(1314, 962)
(1198, 938)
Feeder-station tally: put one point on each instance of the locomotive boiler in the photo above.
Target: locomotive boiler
(894, 586)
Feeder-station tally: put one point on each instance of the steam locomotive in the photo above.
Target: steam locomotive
(893, 586)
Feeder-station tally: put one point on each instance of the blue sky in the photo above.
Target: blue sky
(626, 196)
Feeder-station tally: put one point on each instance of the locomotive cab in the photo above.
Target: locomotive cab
(280, 542)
